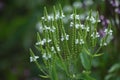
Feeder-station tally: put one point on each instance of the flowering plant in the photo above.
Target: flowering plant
(68, 50)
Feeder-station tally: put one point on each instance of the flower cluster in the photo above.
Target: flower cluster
(66, 37)
(74, 23)
(52, 17)
(95, 35)
(77, 25)
(92, 19)
(61, 44)
(33, 58)
(81, 41)
(109, 32)
(45, 28)
(76, 16)
(108, 38)
(43, 41)
(46, 56)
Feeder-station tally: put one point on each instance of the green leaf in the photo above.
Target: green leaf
(53, 73)
(85, 59)
(84, 76)
(115, 67)
(44, 76)
(31, 52)
(87, 77)
(97, 55)
(110, 76)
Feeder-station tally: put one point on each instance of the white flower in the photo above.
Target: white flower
(58, 16)
(103, 44)
(82, 26)
(72, 16)
(53, 29)
(44, 40)
(77, 26)
(49, 40)
(73, 75)
(38, 43)
(77, 17)
(62, 38)
(46, 56)
(43, 18)
(49, 18)
(47, 28)
(81, 41)
(41, 42)
(108, 31)
(95, 35)
(67, 37)
(53, 49)
(98, 20)
(76, 41)
(88, 18)
(49, 55)
(92, 19)
(109, 38)
(58, 48)
(71, 24)
(87, 29)
(33, 58)
(62, 16)
(39, 27)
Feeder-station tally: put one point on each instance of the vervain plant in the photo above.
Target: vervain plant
(68, 50)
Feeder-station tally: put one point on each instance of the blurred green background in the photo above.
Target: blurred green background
(18, 20)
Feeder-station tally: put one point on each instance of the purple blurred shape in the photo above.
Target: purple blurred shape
(117, 10)
(114, 3)
(1, 5)
(104, 21)
(102, 33)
